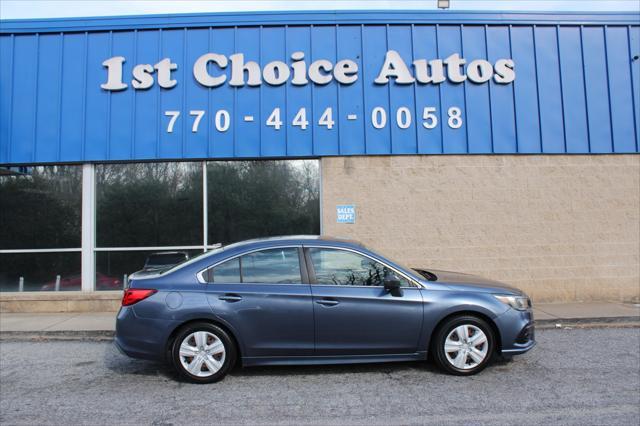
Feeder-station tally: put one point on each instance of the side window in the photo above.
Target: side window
(341, 267)
(272, 266)
(227, 272)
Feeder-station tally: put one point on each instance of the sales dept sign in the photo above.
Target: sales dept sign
(346, 213)
(212, 70)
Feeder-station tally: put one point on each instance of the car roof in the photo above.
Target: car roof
(290, 239)
(257, 243)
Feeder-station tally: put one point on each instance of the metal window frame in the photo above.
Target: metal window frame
(88, 263)
(415, 283)
(46, 250)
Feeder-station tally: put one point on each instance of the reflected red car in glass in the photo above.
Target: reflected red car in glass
(73, 282)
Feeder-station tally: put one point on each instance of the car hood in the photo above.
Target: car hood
(468, 282)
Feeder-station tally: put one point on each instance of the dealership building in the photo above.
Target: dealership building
(499, 144)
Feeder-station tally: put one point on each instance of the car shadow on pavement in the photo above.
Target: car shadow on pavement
(380, 367)
(293, 370)
(121, 364)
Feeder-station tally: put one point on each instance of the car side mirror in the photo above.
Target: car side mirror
(392, 284)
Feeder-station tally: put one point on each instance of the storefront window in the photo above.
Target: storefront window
(148, 204)
(251, 199)
(40, 271)
(114, 267)
(143, 209)
(40, 208)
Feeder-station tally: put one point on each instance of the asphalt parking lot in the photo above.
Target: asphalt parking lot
(575, 376)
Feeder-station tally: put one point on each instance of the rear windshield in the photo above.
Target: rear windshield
(186, 262)
(166, 259)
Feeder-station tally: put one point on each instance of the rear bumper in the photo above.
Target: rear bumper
(142, 337)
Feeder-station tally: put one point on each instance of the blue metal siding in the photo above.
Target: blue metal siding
(425, 45)
(576, 87)
(634, 49)
(502, 102)
(351, 97)
(576, 132)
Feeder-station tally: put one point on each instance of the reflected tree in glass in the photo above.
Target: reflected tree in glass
(41, 208)
(250, 199)
(149, 204)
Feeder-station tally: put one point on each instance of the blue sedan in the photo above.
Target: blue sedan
(316, 300)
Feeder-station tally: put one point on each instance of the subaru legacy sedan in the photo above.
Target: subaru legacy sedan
(316, 300)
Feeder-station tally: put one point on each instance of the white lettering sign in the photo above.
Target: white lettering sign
(209, 70)
(402, 117)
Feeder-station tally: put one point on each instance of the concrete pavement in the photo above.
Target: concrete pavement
(103, 323)
(572, 377)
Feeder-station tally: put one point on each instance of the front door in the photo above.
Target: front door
(264, 298)
(354, 314)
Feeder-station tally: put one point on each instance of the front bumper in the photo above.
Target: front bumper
(517, 331)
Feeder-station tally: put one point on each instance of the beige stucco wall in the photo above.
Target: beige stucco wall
(562, 228)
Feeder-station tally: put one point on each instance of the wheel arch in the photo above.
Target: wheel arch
(467, 312)
(215, 322)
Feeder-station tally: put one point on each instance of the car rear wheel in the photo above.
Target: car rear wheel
(463, 345)
(203, 353)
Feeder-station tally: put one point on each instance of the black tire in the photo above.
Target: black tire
(440, 336)
(230, 352)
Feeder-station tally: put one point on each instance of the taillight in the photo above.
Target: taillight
(134, 295)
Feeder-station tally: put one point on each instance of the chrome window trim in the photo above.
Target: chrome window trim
(408, 278)
(200, 274)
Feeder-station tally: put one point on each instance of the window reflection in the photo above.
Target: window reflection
(148, 204)
(227, 272)
(271, 266)
(40, 271)
(275, 266)
(114, 267)
(340, 267)
(251, 199)
(41, 208)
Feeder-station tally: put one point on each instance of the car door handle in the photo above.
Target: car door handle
(230, 298)
(327, 302)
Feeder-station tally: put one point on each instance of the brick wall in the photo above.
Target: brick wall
(562, 228)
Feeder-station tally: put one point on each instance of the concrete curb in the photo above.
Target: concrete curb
(107, 335)
(77, 335)
(593, 322)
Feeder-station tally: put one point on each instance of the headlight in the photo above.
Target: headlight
(521, 303)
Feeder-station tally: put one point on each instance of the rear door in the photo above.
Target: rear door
(265, 295)
(354, 314)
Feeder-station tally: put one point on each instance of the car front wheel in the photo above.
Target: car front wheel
(203, 353)
(463, 345)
